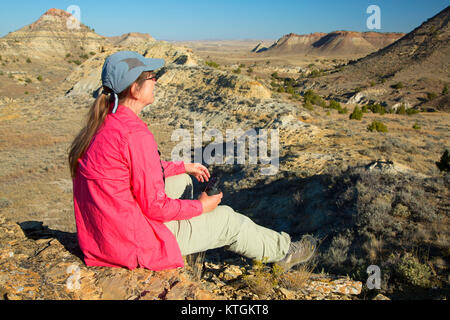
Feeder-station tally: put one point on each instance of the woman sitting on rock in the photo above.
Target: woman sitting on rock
(127, 202)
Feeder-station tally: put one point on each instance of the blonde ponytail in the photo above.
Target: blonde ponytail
(96, 117)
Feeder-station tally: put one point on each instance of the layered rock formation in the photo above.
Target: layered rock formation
(425, 49)
(55, 34)
(403, 72)
(337, 43)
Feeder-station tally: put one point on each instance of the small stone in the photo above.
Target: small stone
(230, 273)
(288, 294)
(380, 297)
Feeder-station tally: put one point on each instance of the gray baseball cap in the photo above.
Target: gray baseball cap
(122, 68)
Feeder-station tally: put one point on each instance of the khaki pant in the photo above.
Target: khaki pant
(223, 227)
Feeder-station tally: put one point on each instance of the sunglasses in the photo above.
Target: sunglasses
(152, 77)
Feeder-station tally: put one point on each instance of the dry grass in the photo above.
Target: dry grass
(263, 279)
(29, 140)
(261, 285)
(374, 248)
(297, 279)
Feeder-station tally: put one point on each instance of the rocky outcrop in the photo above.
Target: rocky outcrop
(182, 71)
(39, 263)
(259, 48)
(219, 82)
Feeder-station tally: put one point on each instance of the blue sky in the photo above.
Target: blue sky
(231, 19)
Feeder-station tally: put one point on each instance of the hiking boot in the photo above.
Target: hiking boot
(299, 252)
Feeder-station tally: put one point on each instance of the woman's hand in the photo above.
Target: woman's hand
(199, 171)
(209, 203)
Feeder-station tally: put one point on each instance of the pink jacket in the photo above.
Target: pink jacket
(120, 201)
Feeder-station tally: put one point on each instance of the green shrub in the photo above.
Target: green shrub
(289, 82)
(313, 98)
(402, 109)
(212, 64)
(376, 108)
(334, 105)
(357, 114)
(377, 126)
(309, 96)
(315, 73)
(398, 85)
(431, 96)
(444, 91)
(401, 211)
(364, 109)
(28, 60)
(414, 272)
(444, 163)
(77, 62)
(250, 70)
(411, 111)
(28, 80)
(39, 78)
(295, 96)
(290, 89)
(337, 253)
(237, 71)
(343, 110)
(416, 126)
(308, 106)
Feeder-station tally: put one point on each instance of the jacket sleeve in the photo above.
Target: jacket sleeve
(147, 183)
(172, 168)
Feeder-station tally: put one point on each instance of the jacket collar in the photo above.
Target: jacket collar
(125, 112)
